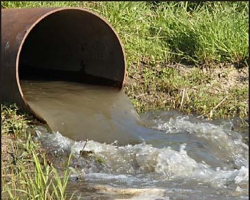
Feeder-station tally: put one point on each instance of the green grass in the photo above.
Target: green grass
(26, 172)
(173, 32)
(196, 91)
(188, 32)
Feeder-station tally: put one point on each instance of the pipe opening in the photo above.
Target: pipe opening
(72, 45)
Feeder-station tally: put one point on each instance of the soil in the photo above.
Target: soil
(223, 78)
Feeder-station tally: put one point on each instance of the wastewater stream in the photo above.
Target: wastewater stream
(118, 154)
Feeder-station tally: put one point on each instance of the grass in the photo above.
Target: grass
(189, 32)
(179, 31)
(189, 90)
(26, 172)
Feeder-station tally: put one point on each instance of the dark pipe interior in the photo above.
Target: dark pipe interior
(72, 45)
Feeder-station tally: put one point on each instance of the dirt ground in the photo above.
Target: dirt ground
(223, 77)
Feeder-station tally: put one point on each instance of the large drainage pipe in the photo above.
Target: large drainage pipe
(65, 43)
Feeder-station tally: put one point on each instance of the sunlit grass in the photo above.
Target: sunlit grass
(188, 32)
(26, 173)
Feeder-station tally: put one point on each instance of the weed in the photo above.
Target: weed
(26, 172)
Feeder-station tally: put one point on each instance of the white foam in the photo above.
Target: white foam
(143, 164)
(222, 140)
(143, 158)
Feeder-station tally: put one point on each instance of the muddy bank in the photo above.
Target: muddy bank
(214, 91)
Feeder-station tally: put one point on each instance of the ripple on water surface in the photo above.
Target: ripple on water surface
(175, 171)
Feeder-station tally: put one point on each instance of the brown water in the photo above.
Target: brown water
(170, 155)
(82, 112)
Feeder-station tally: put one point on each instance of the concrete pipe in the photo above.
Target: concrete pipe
(57, 43)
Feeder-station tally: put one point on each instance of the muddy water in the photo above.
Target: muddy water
(82, 112)
(171, 155)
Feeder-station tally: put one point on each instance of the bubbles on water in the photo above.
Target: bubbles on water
(54, 140)
(143, 158)
(242, 176)
(227, 145)
(144, 165)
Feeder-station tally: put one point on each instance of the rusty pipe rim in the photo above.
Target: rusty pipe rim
(28, 32)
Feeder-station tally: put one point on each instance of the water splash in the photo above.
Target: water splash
(174, 155)
(147, 166)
